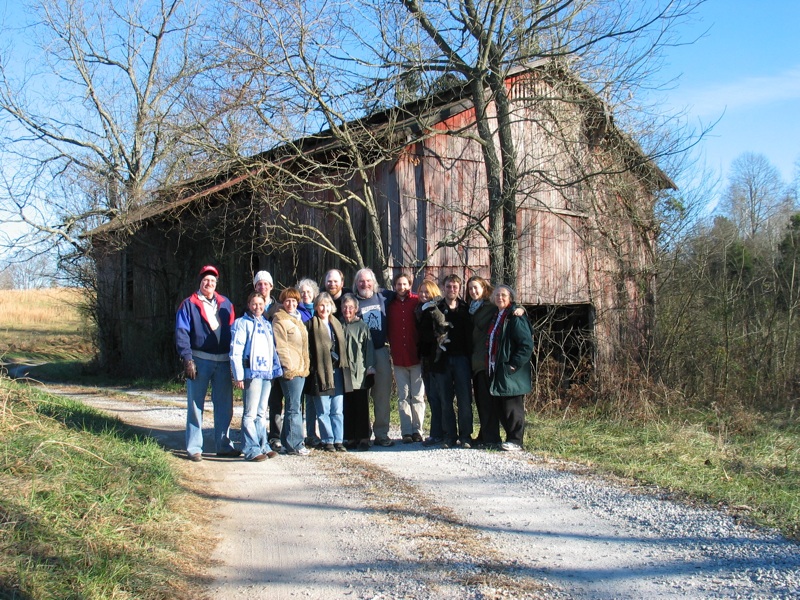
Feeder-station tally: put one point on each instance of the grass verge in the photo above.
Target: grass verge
(749, 464)
(88, 509)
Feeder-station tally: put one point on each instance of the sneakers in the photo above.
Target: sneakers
(510, 447)
(416, 437)
(385, 442)
(407, 439)
(275, 443)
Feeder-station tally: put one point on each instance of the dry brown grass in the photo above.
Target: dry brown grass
(43, 324)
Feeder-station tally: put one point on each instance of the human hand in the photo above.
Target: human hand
(189, 369)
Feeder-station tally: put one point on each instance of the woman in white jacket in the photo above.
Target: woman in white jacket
(254, 364)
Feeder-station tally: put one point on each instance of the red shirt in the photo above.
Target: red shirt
(402, 330)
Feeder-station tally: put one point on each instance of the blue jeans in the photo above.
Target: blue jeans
(254, 423)
(456, 382)
(218, 374)
(329, 410)
(292, 430)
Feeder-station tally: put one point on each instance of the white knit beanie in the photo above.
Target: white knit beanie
(262, 276)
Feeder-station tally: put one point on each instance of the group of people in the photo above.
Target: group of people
(333, 351)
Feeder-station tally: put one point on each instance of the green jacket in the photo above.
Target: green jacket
(359, 350)
(514, 350)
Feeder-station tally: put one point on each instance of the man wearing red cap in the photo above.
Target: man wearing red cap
(203, 339)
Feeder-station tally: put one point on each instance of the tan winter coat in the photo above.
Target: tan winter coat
(291, 343)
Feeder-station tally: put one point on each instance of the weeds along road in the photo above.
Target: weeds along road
(410, 522)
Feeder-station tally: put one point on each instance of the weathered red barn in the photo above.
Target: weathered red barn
(585, 221)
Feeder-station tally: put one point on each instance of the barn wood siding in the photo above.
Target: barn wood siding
(447, 174)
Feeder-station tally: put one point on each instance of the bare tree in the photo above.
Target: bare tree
(95, 116)
(7, 279)
(312, 102)
(757, 200)
(36, 272)
(310, 67)
(613, 45)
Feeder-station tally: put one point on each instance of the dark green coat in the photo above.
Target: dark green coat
(514, 350)
(359, 350)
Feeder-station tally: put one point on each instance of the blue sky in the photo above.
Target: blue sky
(744, 71)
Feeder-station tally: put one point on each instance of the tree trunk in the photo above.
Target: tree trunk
(494, 186)
(508, 158)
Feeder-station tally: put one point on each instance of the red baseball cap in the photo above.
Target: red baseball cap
(209, 270)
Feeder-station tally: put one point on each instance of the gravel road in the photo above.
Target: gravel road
(417, 523)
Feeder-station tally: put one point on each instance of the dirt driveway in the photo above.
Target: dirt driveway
(410, 522)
